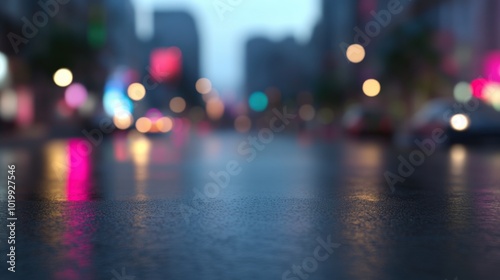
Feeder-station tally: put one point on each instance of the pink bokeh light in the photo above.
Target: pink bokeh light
(477, 86)
(153, 114)
(492, 66)
(25, 107)
(166, 64)
(75, 95)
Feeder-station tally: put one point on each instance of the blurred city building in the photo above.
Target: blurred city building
(174, 30)
(314, 66)
(416, 55)
(418, 52)
(96, 40)
(118, 18)
(286, 65)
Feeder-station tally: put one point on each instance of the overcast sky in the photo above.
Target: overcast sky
(223, 38)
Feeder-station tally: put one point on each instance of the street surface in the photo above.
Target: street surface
(138, 206)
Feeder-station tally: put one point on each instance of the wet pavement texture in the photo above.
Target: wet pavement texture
(138, 206)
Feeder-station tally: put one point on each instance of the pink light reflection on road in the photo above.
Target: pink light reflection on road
(78, 180)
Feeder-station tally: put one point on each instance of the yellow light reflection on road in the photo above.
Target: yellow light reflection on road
(140, 151)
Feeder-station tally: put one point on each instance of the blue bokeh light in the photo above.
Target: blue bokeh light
(115, 100)
(258, 101)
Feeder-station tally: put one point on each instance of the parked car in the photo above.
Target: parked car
(473, 122)
(361, 120)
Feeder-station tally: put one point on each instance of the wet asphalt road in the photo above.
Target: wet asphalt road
(136, 207)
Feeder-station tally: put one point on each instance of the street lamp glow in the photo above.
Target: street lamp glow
(307, 112)
(177, 104)
(371, 87)
(143, 125)
(203, 86)
(136, 91)
(63, 77)
(215, 109)
(164, 124)
(355, 53)
(123, 120)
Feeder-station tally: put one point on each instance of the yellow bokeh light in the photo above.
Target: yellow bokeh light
(491, 94)
(136, 91)
(371, 87)
(459, 122)
(143, 125)
(63, 77)
(355, 53)
(8, 105)
(495, 101)
(177, 105)
(203, 86)
(212, 94)
(215, 108)
(164, 124)
(242, 124)
(307, 112)
(123, 120)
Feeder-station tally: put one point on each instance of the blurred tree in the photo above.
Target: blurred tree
(70, 49)
(411, 59)
(332, 86)
(412, 62)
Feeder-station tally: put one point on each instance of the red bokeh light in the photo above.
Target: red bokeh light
(492, 66)
(478, 86)
(166, 64)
